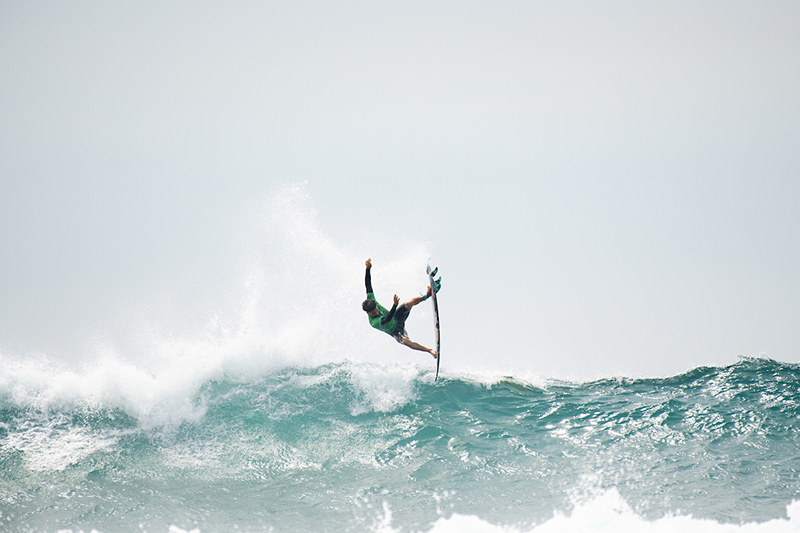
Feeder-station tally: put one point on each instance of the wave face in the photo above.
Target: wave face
(360, 447)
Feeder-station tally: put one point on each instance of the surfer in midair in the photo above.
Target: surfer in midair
(392, 321)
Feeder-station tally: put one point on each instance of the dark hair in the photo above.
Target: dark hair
(368, 305)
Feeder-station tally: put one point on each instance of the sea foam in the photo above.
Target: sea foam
(609, 513)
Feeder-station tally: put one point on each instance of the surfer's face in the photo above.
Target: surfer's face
(374, 313)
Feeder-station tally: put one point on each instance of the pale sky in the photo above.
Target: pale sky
(607, 187)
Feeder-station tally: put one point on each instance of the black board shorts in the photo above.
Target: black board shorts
(401, 314)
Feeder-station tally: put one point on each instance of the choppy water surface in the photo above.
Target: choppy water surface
(359, 447)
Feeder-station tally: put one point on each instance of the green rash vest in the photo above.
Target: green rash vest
(375, 322)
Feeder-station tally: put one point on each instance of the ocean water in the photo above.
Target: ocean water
(354, 446)
(207, 407)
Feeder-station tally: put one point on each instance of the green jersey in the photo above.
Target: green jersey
(375, 322)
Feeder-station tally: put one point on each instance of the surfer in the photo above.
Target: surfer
(392, 321)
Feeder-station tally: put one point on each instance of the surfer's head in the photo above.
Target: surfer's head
(370, 307)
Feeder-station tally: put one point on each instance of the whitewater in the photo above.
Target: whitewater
(274, 407)
(362, 447)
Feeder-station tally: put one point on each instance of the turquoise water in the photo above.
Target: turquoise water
(361, 447)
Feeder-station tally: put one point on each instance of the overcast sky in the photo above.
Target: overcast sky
(608, 187)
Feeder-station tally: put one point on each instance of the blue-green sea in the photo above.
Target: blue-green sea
(353, 446)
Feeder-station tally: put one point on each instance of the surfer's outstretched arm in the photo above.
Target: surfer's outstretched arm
(368, 278)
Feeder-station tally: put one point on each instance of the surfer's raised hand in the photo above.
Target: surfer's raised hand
(368, 262)
(430, 291)
(396, 299)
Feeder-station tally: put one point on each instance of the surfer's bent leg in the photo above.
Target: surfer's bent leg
(419, 299)
(405, 341)
(401, 336)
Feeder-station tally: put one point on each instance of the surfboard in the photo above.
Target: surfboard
(431, 274)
